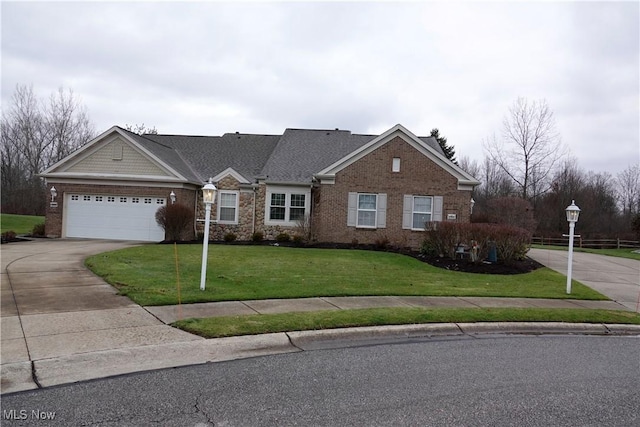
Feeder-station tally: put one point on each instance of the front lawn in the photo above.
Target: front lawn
(147, 275)
(216, 327)
(20, 224)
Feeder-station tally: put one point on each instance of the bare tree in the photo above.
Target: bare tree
(530, 147)
(629, 189)
(34, 135)
(141, 129)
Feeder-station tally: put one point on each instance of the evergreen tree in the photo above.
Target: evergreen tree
(448, 150)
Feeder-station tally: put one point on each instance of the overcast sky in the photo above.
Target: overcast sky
(206, 68)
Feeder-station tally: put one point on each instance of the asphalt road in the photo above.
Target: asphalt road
(499, 380)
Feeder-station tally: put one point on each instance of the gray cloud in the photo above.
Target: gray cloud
(208, 68)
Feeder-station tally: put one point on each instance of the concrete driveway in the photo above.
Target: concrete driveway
(617, 278)
(53, 307)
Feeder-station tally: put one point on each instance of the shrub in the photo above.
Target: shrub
(298, 239)
(382, 242)
(38, 230)
(283, 237)
(175, 219)
(512, 243)
(8, 236)
(257, 236)
(230, 237)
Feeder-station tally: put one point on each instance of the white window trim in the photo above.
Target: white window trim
(413, 212)
(236, 207)
(287, 191)
(358, 210)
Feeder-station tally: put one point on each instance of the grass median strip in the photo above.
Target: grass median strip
(147, 275)
(217, 327)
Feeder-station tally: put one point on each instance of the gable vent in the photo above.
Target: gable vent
(116, 151)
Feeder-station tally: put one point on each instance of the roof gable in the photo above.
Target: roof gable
(114, 154)
(422, 146)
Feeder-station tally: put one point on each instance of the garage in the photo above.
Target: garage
(113, 217)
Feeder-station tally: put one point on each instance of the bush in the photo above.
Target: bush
(230, 237)
(176, 220)
(283, 237)
(8, 236)
(298, 239)
(38, 230)
(512, 243)
(382, 242)
(257, 236)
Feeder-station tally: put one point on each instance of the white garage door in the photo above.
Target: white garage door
(113, 217)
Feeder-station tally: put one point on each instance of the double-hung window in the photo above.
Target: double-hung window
(421, 212)
(286, 205)
(417, 211)
(278, 209)
(367, 210)
(228, 207)
(297, 207)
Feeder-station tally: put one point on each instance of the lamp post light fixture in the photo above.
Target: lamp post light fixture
(208, 197)
(572, 217)
(472, 204)
(172, 196)
(54, 193)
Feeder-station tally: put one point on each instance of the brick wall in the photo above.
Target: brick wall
(418, 176)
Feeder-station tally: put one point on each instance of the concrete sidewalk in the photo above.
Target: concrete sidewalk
(170, 313)
(62, 324)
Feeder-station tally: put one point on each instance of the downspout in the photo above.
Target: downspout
(195, 216)
(253, 225)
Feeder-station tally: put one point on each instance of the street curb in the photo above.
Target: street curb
(307, 340)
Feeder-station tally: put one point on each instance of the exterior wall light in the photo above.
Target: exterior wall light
(172, 196)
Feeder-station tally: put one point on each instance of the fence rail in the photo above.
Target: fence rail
(587, 243)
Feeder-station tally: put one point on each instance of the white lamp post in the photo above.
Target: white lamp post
(572, 217)
(208, 196)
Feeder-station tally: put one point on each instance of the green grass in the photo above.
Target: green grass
(147, 275)
(621, 253)
(216, 327)
(20, 224)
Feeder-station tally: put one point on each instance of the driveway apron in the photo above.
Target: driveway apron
(616, 278)
(52, 307)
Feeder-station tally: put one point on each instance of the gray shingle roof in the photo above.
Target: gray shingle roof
(302, 153)
(293, 157)
(210, 155)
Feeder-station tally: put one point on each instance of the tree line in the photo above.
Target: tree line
(528, 176)
(35, 134)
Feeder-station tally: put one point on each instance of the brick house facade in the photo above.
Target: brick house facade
(345, 187)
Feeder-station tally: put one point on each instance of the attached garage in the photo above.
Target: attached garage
(113, 217)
